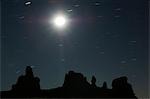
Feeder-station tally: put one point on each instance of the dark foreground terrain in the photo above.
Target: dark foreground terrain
(75, 86)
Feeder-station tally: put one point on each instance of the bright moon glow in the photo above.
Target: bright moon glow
(60, 21)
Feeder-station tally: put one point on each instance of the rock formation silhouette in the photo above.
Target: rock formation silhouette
(121, 88)
(27, 85)
(104, 85)
(93, 82)
(75, 86)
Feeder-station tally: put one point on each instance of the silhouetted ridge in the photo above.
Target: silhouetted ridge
(75, 86)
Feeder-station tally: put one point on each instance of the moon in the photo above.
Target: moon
(60, 21)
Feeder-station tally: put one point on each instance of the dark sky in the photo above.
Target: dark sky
(105, 38)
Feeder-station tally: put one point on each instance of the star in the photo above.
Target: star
(102, 52)
(99, 16)
(117, 9)
(18, 71)
(133, 41)
(32, 66)
(76, 5)
(97, 3)
(123, 62)
(133, 59)
(117, 16)
(69, 10)
(62, 60)
(60, 45)
(28, 3)
(97, 47)
(21, 17)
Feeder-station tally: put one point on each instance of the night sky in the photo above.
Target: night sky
(105, 38)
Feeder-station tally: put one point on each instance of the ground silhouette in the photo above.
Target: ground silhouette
(75, 86)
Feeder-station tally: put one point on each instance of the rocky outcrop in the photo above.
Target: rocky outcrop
(27, 84)
(121, 88)
(75, 80)
(75, 86)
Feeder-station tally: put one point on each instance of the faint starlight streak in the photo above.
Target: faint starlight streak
(62, 60)
(28, 3)
(60, 45)
(76, 5)
(123, 62)
(102, 52)
(21, 17)
(133, 59)
(18, 71)
(99, 16)
(97, 4)
(69, 10)
(133, 41)
(117, 9)
(32, 66)
(117, 16)
(97, 47)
